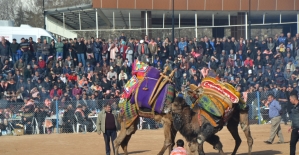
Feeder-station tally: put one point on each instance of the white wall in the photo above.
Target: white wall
(56, 27)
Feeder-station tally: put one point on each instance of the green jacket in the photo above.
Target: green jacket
(102, 119)
(59, 47)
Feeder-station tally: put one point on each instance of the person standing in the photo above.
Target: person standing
(180, 150)
(142, 51)
(45, 50)
(283, 100)
(4, 50)
(14, 47)
(59, 48)
(108, 124)
(295, 124)
(274, 114)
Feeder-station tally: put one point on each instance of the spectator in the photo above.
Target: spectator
(68, 119)
(59, 48)
(113, 51)
(76, 91)
(142, 51)
(80, 116)
(14, 47)
(295, 126)
(81, 51)
(180, 150)
(274, 114)
(5, 51)
(55, 92)
(108, 125)
(45, 50)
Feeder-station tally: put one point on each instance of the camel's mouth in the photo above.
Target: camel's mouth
(167, 108)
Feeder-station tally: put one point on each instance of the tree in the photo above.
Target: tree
(20, 16)
(7, 9)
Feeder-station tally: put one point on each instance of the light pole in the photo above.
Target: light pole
(44, 14)
(249, 20)
(173, 21)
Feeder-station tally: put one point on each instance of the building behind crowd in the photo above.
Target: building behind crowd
(214, 18)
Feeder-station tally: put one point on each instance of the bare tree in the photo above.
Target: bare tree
(20, 16)
(7, 9)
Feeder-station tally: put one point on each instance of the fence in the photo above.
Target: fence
(41, 119)
(60, 115)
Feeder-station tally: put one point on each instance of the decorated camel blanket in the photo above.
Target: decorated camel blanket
(146, 89)
(215, 98)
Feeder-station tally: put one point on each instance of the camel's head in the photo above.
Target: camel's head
(178, 105)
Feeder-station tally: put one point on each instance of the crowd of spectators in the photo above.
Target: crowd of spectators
(89, 70)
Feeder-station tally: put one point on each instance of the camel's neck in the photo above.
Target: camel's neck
(182, 122)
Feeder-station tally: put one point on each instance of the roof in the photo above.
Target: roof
(71, 15)
(121, 17)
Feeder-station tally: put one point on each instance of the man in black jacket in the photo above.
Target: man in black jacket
(295, 124)
(81, 50)
(14, 46)
(4, 49)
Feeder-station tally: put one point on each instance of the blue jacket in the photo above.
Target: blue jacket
(182, 45)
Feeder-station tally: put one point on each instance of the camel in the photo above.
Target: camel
(170, 132)
(186, 121)
(165, 117)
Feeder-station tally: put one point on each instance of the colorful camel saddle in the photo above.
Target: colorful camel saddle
(130, 87)
(128, 112)
(214, 97)
(139, 69)
(154, 91)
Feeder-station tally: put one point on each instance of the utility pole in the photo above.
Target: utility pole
(44, 14)
(249, 20)
(173, 21)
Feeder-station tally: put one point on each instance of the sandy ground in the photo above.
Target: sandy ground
(145, 142)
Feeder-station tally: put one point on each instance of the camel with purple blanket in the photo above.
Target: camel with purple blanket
(145, 95)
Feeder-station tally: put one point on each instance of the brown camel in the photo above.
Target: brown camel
(197, 129)
(125, 133)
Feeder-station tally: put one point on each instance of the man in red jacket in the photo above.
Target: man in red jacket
(71, 77)
(122, 49)
(248, 62)
(55, 92)
(41, 64)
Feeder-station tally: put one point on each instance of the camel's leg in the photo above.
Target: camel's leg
(206, 131)
(200, 149)
(193, 148)
(169, 137)
(123, 134)
(246, 129)
(173, 132)
(120, 138)
(232, 126)
(124, 143)
(215, 142)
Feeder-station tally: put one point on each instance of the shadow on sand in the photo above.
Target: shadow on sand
(136, 152)
(268, 152)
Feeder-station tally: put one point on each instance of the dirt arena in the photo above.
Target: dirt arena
(145, 142)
